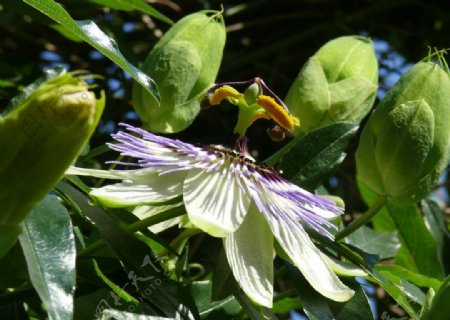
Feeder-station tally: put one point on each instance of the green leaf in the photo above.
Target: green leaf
(285, 305)
(223, 284)
(120, 292)
(7, 84)
(407, 295)
(356, 308)
(317, 307)
(401, 294)
(201, 292)
(145, 273)
(102, 272)
(307, 161)
(123, 315)
(419, 249)
(91, 305)
(353, 254)
(252, 311)
(91, 33)
(49, 248)
(66, 33)
(384, 244)
(153, 239)
(428, 301)
(415, 278)
(440, 307)
(130, 5)
(434, 221)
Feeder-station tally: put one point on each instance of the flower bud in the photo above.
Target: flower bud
(338, 83)
(405, 145)
(184, 63)
(40, 138)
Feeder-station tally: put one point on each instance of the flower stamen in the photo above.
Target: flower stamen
(278, 113)
(224, 92)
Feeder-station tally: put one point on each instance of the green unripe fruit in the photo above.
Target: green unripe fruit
(405, 145)
(40, 138)
(184, 63)
(338, 83)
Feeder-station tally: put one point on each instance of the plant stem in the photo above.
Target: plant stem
(247, 306)
(181, 239)
(366, 217)
(137, 226)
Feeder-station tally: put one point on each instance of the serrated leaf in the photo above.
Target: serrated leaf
(49, 248)
(93, 35)
(130, 5)
(307, 161)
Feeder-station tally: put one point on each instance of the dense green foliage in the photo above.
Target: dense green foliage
(76, 258)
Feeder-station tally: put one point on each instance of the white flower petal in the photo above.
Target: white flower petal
(249, 251)
(145, 211)
(326, 214)
(214, 201)
(143, 189)
(304, 254)
(95, 173)
(342, 268)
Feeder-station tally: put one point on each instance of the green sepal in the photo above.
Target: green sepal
(405, 145)
(338, 83)
(40, 138)
(308, 98)
(184, 63)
